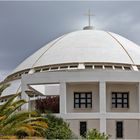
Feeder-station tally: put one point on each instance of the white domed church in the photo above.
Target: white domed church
(96, 75)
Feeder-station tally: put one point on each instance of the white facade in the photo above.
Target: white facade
(101, 116)
(98, 62)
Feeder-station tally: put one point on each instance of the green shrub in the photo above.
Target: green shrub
(95, 134)
(57, 128)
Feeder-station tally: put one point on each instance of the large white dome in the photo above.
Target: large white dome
(85, 46)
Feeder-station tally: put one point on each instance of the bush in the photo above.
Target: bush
(95, 134)
(57, 128)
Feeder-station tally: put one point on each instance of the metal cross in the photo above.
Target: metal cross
(89, 16)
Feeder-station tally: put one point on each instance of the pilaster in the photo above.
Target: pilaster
(102, 101)
(63, 98)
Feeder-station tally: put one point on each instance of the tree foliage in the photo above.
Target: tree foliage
(96, 135)
(20, 124)
(3, 87)
(58, 129)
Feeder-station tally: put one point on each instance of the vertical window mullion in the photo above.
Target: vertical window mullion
(74, 100)
(91, 101)
(116, 102)
(127, 99)
(123, 100)
(86, 100)
(79, 100)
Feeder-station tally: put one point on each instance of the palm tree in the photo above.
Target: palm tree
(20, 123)
(3, 87)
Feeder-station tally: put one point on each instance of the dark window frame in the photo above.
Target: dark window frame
(79, 98)
(122, 98)
(83, 132)
(88, 66)
(119, 129)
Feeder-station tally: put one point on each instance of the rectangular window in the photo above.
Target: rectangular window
(98, 67)
(63, 67)
(108, 67)
(54, 68)
(118, 67)
(45, 69)
(83, 128)
(119, 129)
(82, 99)
(120, 100)
(88, 66)
(127, 68)
(73, 66)
(37, 70)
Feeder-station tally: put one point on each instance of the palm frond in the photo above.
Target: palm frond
(36, 119)
(26, 128)
(18, 123)
(7, 104)
(16, 105)
(16, 117)
(3, 87)
(39, 129)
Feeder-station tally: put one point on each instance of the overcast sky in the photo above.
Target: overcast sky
(27, 26)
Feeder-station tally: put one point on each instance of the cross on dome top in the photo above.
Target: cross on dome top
(89, 14)
(89, 27)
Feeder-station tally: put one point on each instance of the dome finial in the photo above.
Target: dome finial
(89, 27)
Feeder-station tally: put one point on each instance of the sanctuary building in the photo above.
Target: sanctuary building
(96, 75)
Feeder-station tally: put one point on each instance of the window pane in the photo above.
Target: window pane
(88, 100)
(89, 106)
(89, 95)
(119, 95)
(76, 95)
(83, 101)
(119, 100)
(76, 100)
(113, 95)
(125, 105)
(83, 106)
(83, 95)
(113, 100)
(113, 105)
(119, 105)
(76, 105)
(125, 100)
(125, 96)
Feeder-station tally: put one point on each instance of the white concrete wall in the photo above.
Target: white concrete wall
(75, 125)
(130, 129)
(46, 89)
(133, 96)
(52, 89)
(83, 87)
(130, 116)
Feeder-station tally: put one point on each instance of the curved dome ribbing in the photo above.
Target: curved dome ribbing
(85, 46)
